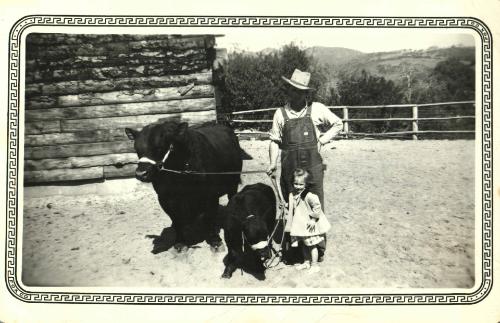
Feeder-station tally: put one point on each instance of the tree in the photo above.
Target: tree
(253, 81)
(366, 89)
(458, 77)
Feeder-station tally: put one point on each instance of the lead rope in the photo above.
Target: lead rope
(269, 263)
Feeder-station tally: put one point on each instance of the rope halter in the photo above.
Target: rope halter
(158, 164)
(256, 246)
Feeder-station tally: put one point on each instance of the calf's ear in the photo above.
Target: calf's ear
(131, 133)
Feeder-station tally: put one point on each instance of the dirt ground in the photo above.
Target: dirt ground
(402, 215)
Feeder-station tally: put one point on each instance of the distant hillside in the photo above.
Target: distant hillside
(391, 65)
(333, 56)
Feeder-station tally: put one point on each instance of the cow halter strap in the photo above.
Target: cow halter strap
(255, 246)
(159, 164)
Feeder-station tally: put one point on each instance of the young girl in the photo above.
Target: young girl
(308, 222)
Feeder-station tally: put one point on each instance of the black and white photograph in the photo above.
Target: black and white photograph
(214, 134)
(249, 160)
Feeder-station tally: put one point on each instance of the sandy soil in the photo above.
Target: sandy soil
(402, 215)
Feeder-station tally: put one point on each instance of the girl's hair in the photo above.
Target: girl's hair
(300, 172)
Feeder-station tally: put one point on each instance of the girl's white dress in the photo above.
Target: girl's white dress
(303, 208)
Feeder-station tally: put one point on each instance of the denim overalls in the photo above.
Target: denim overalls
(299, 148)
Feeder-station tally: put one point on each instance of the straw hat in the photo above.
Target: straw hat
(299, 79)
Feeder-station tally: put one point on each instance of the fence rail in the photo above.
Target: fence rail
(346, 120)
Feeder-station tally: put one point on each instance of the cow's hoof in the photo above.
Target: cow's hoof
(180, 247)
(226, 275)
(218, 248)
(216, 245)
(228, 271)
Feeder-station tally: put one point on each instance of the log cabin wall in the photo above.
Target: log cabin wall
(81, 92)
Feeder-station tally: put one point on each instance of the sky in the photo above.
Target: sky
(364, 40)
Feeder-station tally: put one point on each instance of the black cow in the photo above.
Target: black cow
(191, 200)
(249, 220)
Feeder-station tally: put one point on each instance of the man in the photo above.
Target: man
(295, 131)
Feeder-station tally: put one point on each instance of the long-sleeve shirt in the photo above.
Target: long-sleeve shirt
(320, 115)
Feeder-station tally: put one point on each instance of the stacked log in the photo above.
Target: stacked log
(82, 90)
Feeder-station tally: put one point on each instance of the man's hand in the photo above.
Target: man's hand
(320, 144)
(271, 171)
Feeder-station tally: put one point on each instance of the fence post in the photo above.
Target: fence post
(415, 122)
(346, 120)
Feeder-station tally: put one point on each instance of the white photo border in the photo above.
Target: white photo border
(486, 132)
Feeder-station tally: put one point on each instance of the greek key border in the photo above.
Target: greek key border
(15, 52)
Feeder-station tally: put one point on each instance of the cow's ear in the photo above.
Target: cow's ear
(131, 133)
(181, 129)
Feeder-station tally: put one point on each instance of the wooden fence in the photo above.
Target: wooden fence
(81, 91)
(346, 120)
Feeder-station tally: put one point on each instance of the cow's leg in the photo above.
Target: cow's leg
(231, 263)
(213, 229)
(173, 207)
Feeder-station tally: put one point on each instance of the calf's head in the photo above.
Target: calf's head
(256, 234)
(154, 143)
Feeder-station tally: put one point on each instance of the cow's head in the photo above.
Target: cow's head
(153, 143)
(256, 233)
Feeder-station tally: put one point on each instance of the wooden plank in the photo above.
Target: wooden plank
(192, 118)
(51, 39)
(252, 121)
(181, 42)
(40, 127)
(117, 67)
(345, 126)
(414, 124)
(58, 175)
(52, 139)
(409, 119)
(117, 172)
(253, 111)
(114, 48)
(447, 118)
(102, 73)
(79, 162)
(131, 83)
(74, 150)
(124, 109)
(451, 104)
(160, 56)
(218, 65)
(130, 96)
(411, 132)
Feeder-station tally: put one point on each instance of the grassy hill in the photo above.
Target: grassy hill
(393, 65)
(333, 56)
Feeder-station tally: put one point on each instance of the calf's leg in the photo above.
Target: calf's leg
(231, 263)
